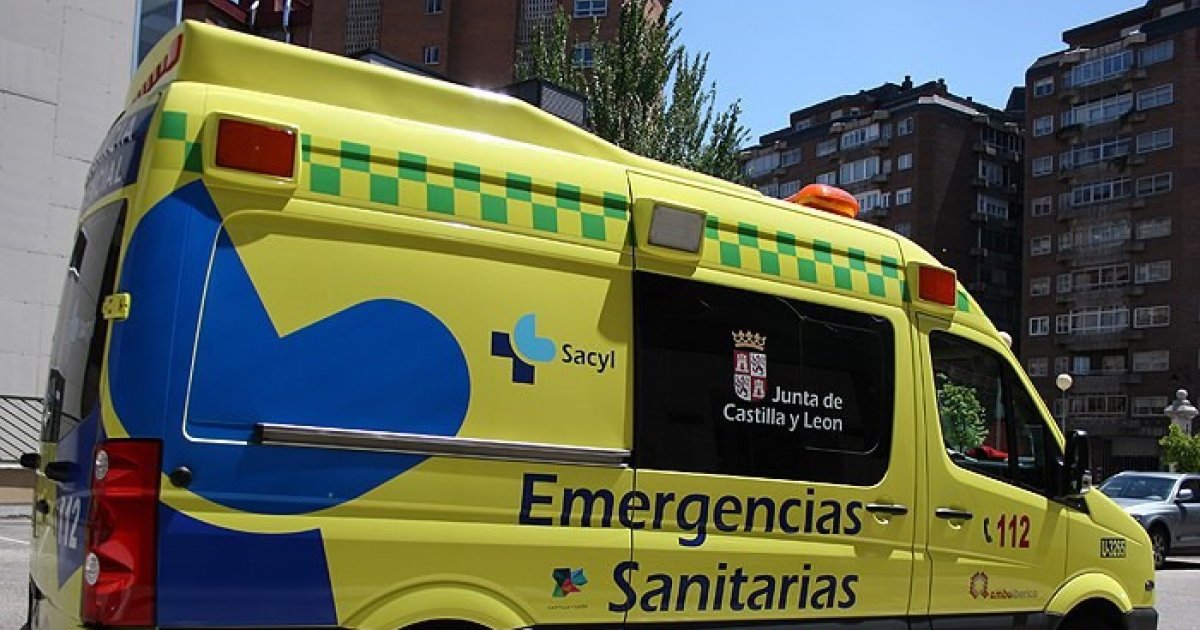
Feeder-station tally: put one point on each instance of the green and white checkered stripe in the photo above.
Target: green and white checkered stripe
(178, 142)
(781, 255)
(396, 178)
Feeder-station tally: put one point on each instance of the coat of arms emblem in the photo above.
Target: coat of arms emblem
(749, 365)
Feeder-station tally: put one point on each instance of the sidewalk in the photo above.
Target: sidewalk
(16, 492)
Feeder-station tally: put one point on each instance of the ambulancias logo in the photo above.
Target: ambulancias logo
(979, 585)
(567, 581)
(523, 346)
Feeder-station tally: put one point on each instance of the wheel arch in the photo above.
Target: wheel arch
(443, 605)
(1091, 589)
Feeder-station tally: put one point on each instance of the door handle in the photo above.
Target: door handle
(894, 509)
(953, 514)
(60, 471)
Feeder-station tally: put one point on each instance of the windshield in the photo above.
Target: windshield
(1138, 487)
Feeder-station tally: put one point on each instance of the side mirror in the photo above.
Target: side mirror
(1185, 495)
(1074, 476)
(32, 461)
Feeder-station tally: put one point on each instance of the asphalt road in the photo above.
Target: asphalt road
(1178, 582)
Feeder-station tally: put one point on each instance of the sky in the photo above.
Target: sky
(778, 56)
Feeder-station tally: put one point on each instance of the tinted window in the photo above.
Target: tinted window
(740, 383)
(989, 423)
(73, 389)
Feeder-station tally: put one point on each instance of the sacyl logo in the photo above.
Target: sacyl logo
(527, 345)
(525, 348)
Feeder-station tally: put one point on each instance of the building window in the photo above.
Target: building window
(1065, 241)
(583, 56)
(1043, 126)
(991, 206)
(1099, 69)
(1156, 96)
(859, 170)
(790, 157)
(761, 165)
(787, 189)
(1097, 235)
(1152, 316)
(1095, 151)
(829, 178)
(1157, 227)
(1157, 53)
(1039, 245)
(1101, 191)
(690, 335)
(1155, 140)
(860, 136)
(591, 8)
(1098, 111)
(905, 127)
(432, 55)
(770, 189)
(1098, 405)
(904, 162)
(1039, 326)
(803, 124)
(1063, 283)
(1146, 273)
(827, 147)
(1149, 406)
(1043, 165)
(903, 196)
(1039, 286)
(1038, 366)
(1062, 325)
(433, 6)
(1102, 277)
(1152, 361)
(1153, 184)
(1102, 319)
(1042, 206)
(1043, 87)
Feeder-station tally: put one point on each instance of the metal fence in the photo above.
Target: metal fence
(20, 423)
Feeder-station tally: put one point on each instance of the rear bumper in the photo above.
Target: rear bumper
(1141, 619)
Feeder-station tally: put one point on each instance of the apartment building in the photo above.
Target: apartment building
(1113, 197)
(938, 168)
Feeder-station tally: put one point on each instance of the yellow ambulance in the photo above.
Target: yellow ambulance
(342, 347)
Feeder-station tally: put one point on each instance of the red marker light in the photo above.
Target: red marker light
(257, 148)
(827, 198)
(938, 285)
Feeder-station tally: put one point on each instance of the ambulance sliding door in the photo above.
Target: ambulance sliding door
(773, 431)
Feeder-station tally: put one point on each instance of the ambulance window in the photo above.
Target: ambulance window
(989, 423)
(740, 383)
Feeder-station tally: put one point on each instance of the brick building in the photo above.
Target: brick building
(475, 43)
(941, 169)
(1111, 238)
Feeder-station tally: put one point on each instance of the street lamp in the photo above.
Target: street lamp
(1064, 382)
(1181, 411)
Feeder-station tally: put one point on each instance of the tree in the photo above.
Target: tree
(1181, 449)
(963, 421)
(627, 93)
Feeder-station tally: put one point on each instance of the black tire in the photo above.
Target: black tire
(1160, 542)
(1088, 620)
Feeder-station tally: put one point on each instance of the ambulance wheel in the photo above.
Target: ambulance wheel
(1093, 615)
(445, 625)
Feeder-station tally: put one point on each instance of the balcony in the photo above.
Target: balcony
(1104, 383)
(1106, 296)
(1113, 340)
(881, 178)
(876, 213)
(1097, 210)
(1093, 254)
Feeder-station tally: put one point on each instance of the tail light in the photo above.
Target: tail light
(119, 568)
(256, 147)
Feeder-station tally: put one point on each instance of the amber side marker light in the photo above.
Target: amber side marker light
(256, 148)
(938, 285)
(827, 198)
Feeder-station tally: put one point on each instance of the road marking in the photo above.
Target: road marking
(14, 540)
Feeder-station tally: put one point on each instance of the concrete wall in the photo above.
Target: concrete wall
(64, 67)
